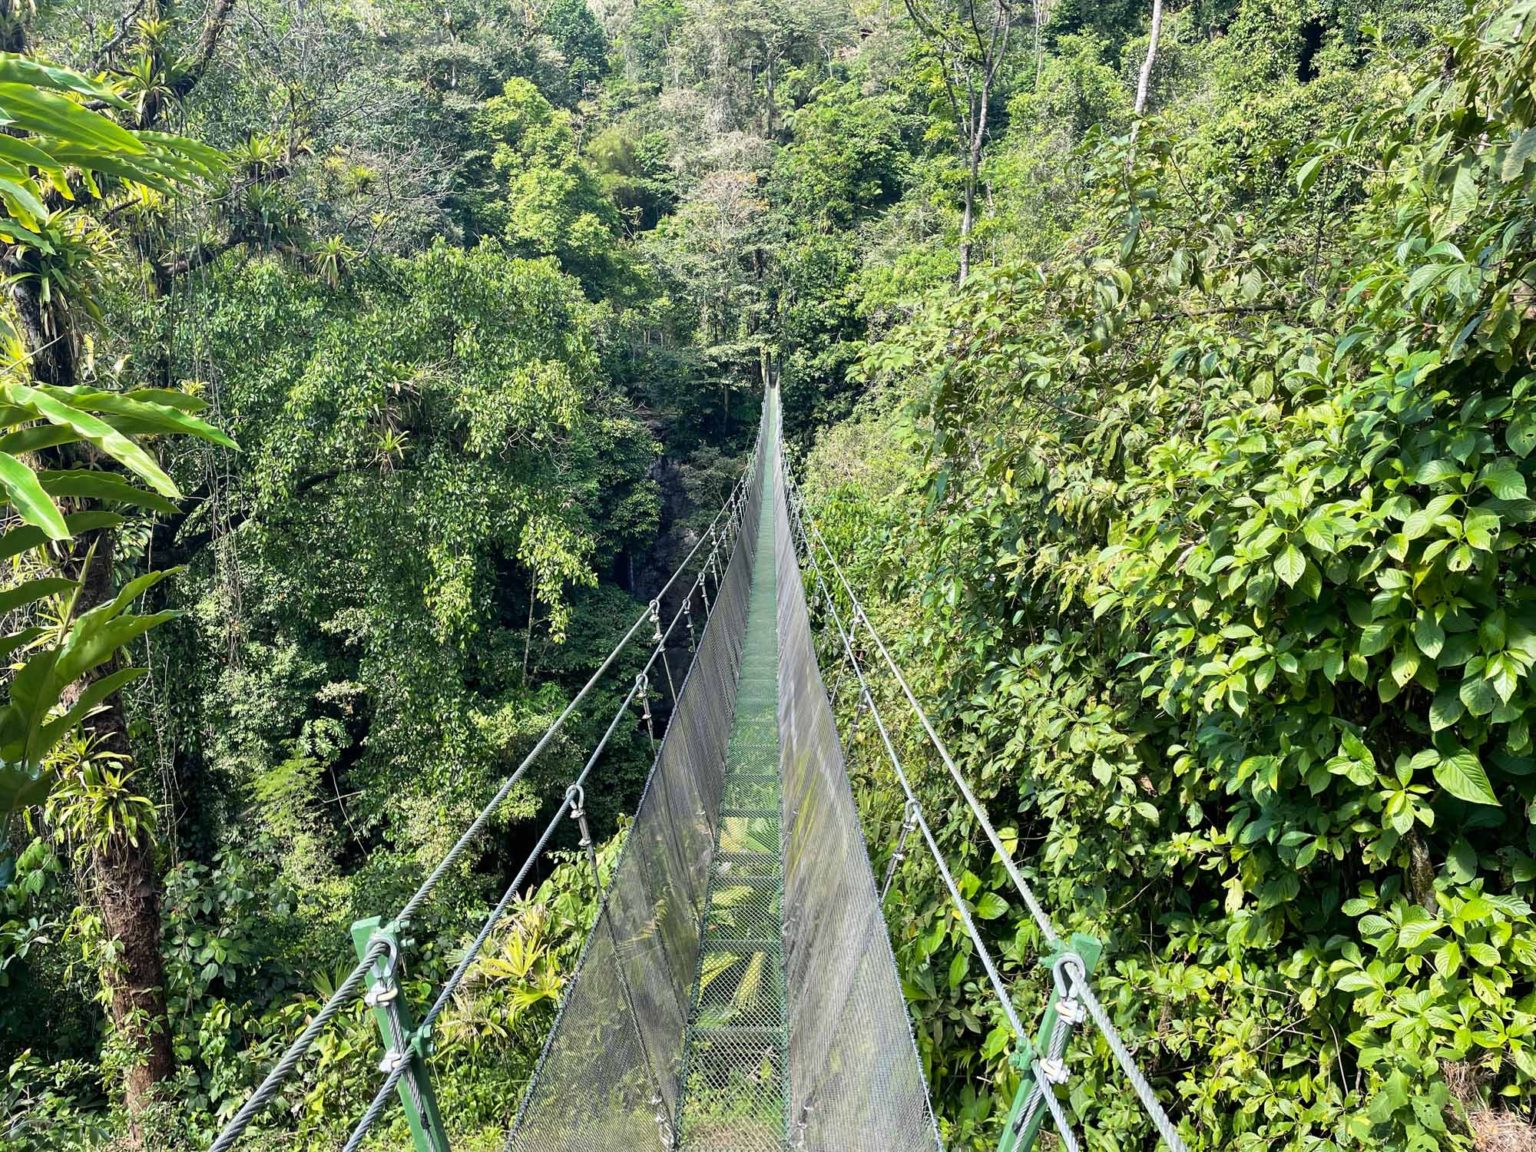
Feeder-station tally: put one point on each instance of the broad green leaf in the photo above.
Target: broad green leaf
(1463, 777)
(1478, 695)
(1521, 433)
(101, 434)
(15, 641)
(1519, 152)
(23, 201)
(21, 152)
(37, 437)
(131, 414)
(1446, 710)
(204, 156)
(957, 969)
(1464, 195)
(89, 484)
(27, 496)
(34, 590)
(19, 540)
(22, 785)
(990, 906)
(1418, 523)
(1429, 636)
(1504, 481)
(1290, 565)
(1307, 174)
(17, 69)
(90, 698)
(1436, 471)
(49, 114)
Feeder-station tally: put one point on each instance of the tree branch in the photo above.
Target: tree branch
(103, 55)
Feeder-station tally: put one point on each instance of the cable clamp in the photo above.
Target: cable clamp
(1053, 1071)
(384, 992)
(1071, 1010)
(393, 1059)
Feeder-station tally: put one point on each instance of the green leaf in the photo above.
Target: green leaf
(1504, 674)
(19, 540)
(20, 152)
(89, 484)
(1429, 636)
(27, 496)
(990, 906)
(96, 432)
(34, 590)
(957, 969)
(1461, 861)
(1478, 695)
(1307, 174)
(1446, 710)
(1435, 471)
(94, 694)
(1418, 523)
(1521, 434)
(1463, 777)
(1504, 481)
(16, 69)
(1519, 152)
(134, 413)
(22, 785)
(23, 202)
(1463, 197)
(1290, 565)
(49, 114)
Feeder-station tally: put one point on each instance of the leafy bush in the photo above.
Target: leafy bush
(1225, 576)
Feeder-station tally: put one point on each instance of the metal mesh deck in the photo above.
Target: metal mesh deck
(735, 1064)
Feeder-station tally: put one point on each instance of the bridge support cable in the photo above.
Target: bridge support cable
(723, 532)
(396, 1069)
(1071, 961)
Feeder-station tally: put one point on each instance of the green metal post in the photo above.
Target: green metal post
(1024, 1121)
(402, 1039)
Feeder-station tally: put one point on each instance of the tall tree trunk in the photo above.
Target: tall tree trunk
(1144, 81)
(965, 231)
(127, 885)
(978, 139)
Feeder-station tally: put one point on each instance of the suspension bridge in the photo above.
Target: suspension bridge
(737, 991)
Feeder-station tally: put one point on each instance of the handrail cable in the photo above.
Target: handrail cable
(353, 982)
(914, 813)
(1075, 978)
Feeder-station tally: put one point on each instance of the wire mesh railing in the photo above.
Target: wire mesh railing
(610, 1073)
(856, 1079)
(797, 1035)
(1041, 1056)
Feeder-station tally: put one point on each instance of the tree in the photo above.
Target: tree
(72, 163)
(968, 43)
